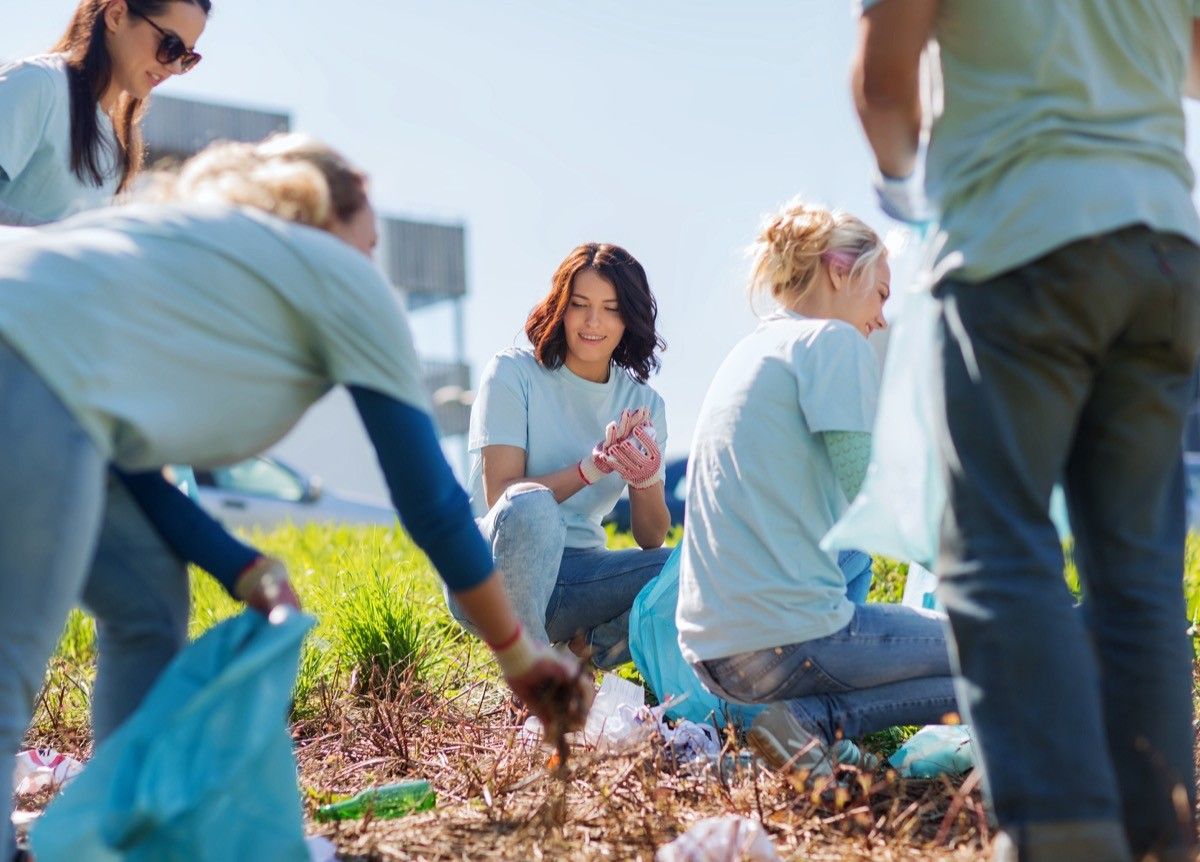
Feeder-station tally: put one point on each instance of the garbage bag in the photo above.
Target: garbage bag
(204, 769)
(654, 645)
(936, 749)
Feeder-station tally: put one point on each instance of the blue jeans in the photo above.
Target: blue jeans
(1076, 367)
(51, 502)
(558, 592)
(856, 566)
(887, 666)
(137, 590)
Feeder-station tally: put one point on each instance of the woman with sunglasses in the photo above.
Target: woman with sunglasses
(71, 134)
(69, 141)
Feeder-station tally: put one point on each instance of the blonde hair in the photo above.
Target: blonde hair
(794, 242)
(293, 176)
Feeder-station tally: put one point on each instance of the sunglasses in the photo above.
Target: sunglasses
(171, 48)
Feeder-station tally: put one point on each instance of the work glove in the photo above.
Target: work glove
(551, 683)
(903, 198)
(597, 464)
(637, 458)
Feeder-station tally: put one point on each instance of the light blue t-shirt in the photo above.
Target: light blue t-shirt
(199, 334)
(762, 489)
(35, 143)
(1063, 119)
(556, 417)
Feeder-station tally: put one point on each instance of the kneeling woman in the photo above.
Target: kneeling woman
(556, 433)
(781, 445)
(199, 331)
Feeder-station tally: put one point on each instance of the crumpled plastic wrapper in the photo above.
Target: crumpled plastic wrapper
(730, 838)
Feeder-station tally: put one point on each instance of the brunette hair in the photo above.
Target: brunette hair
(89, 72)
(636, 352)
(291, 175)
(796, 241)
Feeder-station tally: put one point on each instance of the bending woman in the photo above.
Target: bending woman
(199, 331)
(72, 141)
(781, 445)
(557, 432)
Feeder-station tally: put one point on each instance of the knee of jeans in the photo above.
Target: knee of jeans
(531, 517)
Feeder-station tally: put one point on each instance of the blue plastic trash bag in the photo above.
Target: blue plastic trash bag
(936, 749)
(654, 645)
(204, 770)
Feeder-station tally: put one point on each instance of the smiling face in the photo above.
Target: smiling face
(592, 325)
(132, 43)
(859, 301)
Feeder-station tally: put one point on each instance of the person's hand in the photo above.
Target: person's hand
(264, 586)
(903, 198)
(597, 464)
(638, 458)
(550, 683)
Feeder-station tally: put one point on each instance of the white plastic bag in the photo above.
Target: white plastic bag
(730, 838)
(898, 512)
(936, 749)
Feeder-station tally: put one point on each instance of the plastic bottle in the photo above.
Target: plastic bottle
(390, 800)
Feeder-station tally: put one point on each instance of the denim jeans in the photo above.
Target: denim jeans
(856, 566)
(51, 501)
(887, 666)
(137, 590)
(560, 592)
(1076, 367)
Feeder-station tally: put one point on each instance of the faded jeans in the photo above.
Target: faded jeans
(51, 503)
(137, 590)
(560, 592)
(1075, 367)
(887, 666)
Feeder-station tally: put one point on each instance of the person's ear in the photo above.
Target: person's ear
(838, 276)
(115, 13)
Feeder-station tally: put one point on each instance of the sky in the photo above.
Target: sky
(668, 127)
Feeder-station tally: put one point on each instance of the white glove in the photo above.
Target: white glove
(903, 198)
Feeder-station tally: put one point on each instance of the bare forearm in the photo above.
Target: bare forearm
(648, 516)
(893, 130)
(563, 484)
(486, 605)
(1192, 87)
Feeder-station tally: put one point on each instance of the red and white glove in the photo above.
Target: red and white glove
(638, 458)
(264, 586)
(597, 464)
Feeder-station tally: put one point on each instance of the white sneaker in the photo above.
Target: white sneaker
(785, 744)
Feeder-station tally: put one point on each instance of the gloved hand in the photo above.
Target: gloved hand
(637, 458)
(549, 682)
(597, 464)
(264, 586)
(903, 198)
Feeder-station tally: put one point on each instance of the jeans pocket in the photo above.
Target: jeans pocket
(1179, 262)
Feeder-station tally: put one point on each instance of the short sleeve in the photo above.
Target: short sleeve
(27, 95)
(500, 414)
(837, 380)
(364, 335)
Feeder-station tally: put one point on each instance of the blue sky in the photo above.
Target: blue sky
(668, 127)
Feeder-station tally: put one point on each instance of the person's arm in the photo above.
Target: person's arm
(505, 465)
(885, 79)
(437, 514)
(196, 537)
(649, 517)
(1193, 79)
(850, 453)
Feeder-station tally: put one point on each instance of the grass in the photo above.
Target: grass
(389, 687)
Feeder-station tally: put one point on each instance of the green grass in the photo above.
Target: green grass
(381, 617)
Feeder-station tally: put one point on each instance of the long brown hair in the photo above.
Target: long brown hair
(639, 312)
(89, 72)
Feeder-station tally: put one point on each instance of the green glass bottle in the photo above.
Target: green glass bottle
(391, 800)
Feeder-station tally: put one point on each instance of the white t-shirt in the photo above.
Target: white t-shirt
(199, 334)
(762, 490)
(35, 143)
(557, 417)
